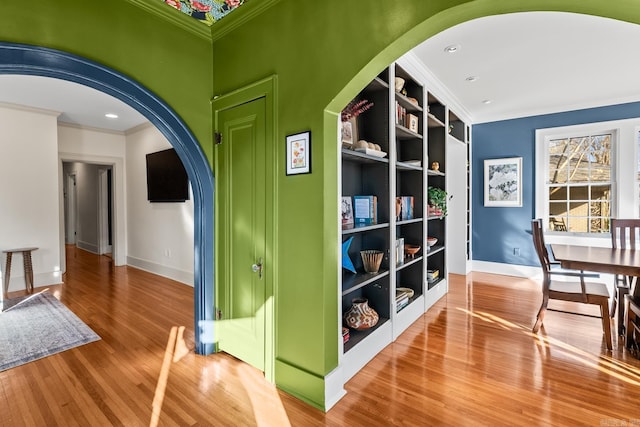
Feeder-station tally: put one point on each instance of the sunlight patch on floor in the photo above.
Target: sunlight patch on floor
(605, 364)
(176, 349)
(266, 403)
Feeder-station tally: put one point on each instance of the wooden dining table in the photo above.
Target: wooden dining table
(602, 260)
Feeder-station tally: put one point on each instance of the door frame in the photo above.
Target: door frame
(103, 210)
(71, 208)
(265, 88)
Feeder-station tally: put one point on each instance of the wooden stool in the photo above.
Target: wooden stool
(28, 268)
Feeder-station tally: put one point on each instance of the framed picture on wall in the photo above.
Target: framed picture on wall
(299, 153)
(503, 182)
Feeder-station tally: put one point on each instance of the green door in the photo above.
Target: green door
(241, 223)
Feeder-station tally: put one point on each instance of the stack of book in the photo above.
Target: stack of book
(402, 300)
(401, 115)
(409, 121)
(345, 335)
(432, 275)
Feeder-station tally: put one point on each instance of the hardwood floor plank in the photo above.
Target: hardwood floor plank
(471, 359)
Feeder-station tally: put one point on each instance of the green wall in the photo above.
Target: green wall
(323, 53)
(173, 63)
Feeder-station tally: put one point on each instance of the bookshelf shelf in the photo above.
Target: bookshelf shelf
(352, 282)
(409, 262)
(363, 228)
(357, 336)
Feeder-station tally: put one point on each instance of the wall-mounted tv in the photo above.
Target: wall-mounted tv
(167, 179)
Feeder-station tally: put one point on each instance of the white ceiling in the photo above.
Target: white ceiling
(525, 63)
(78, 104)
(535, 63)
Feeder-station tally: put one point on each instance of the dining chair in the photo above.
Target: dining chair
(578, 290)
(632, 317)
(625, 234)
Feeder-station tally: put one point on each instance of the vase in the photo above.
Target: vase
(360, 316)
(371, 260)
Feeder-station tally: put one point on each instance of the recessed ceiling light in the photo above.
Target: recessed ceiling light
(471, 78)
(452, 48)
(486, 101)
(111, 116)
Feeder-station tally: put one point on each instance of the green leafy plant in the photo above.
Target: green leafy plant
(438, 198)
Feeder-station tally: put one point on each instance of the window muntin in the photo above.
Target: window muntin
(579, 183)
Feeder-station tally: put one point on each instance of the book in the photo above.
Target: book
(432, 275)
(365, 210)
(406, 211)
(402, 300)
(347, 212)
(400, 251)
(345, 335)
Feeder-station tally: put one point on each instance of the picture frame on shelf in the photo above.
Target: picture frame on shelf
(298, 153)
(349, 132)
(503, 182)
(412, 123)
(347, 212)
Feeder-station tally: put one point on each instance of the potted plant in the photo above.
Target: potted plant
(437, 201)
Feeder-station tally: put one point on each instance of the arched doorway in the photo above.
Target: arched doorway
(33, 60)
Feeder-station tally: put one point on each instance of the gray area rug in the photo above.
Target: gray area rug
(37, 326)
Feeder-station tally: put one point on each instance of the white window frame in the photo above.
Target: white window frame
(623, 166)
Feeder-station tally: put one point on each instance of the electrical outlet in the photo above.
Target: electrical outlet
(167, 253)
(516, 251)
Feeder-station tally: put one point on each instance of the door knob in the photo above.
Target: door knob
(257, 268)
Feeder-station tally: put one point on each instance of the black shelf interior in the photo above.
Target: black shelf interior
(351, 282)
(436, 108)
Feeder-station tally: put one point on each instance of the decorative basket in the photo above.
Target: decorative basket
(371, 259)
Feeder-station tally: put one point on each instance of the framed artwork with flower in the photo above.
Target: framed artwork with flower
(503, 182)
(299, 153)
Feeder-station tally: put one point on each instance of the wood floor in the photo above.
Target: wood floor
(471, 360)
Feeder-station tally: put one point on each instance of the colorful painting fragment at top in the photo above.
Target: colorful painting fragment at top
(207, 11)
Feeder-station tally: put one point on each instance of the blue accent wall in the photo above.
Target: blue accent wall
(497, 231)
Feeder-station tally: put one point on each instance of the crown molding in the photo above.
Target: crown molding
(90, 128)
(29, 109)
(175, 17)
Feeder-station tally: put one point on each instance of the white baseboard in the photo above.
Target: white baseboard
(333, 388)
(16, 281)
(182, 276)
(525, 271)
(89, 247)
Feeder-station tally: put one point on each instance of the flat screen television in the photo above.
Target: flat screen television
(167, 179)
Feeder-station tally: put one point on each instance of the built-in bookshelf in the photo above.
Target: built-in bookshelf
(388, 156)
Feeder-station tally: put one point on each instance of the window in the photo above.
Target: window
(584, 176)
(579, 183)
